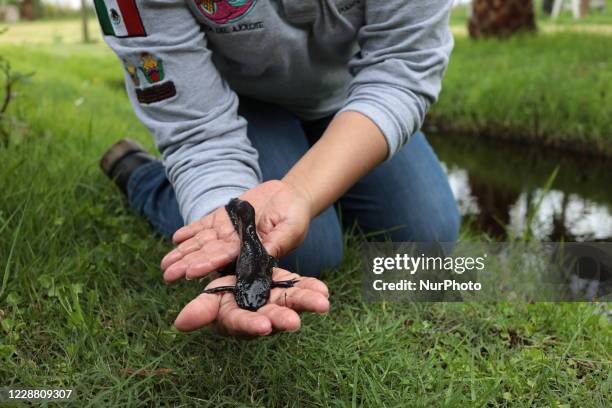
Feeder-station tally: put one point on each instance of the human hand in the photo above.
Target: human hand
(280, 313)
(282, 212)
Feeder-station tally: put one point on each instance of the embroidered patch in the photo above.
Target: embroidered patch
(120, 18)
(156, 93)
(224, 11)
(152, 68)
(132, 72)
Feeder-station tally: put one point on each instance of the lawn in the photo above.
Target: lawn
(48, 32)
(551, 89)
(83, 306)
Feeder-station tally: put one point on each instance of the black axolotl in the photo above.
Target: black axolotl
(253, 267)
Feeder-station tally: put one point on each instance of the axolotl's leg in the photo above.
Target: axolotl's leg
(273, 263)
(277, 284)
(285, 284)
(220, 289)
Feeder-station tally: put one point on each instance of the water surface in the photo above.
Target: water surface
(498, 186)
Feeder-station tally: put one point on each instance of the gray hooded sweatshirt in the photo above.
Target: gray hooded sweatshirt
(185, 62)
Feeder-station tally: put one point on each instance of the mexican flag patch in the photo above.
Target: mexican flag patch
(120, 18)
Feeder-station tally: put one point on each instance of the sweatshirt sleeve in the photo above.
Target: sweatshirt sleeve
(405, 49)
(179, 95)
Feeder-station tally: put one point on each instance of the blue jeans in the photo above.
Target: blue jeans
(406, 199)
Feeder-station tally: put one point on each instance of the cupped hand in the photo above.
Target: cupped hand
(278, 315)
(283, 214)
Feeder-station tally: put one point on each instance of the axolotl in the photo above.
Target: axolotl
(253, 266)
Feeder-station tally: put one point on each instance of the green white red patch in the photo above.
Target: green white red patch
(120, 18)
(152, 69)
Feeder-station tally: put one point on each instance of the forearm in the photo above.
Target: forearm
(350, 148)
(179, 95)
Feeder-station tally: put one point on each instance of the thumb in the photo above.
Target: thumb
(200, 312)
(282, 239)
(273, 244)
(204, 309)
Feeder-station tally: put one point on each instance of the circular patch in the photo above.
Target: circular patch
(225, 11)
(115, 17)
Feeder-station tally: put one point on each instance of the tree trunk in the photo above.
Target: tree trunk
(501, 18)
(84, 21)
(585, 7)
(26, 9)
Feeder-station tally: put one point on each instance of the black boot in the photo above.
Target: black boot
(120, 161)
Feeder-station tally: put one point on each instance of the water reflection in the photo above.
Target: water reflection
(561, 215)
(564, 215)
(498, 186)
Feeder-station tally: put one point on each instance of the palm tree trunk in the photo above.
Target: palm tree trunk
(26, 9)
(501, 18)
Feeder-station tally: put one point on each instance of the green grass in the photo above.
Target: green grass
(48, 32)
(550, 89)
(81, 296)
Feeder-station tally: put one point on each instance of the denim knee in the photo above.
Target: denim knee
(308, 262)
(151, 194)
(443, 227)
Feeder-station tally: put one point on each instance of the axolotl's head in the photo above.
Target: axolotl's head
(245, 213)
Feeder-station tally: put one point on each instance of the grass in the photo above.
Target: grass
(82, 304)
(551, 89)
(48, 32)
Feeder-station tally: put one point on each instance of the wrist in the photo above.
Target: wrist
(302, 192)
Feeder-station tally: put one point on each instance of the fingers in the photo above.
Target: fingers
(280, 314)
(308, 294)
(234, 321)
(189, 239)
(211, 257)
(282, 238)
(198, 313)
(300, 300)
(283, 319)
(204, 309)
(171, 257)
(231, 320)
(217, 220)
(313, 284)
(190, 230)
(204, 246)
(276, 242)
(188, 246)
(175, 272)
